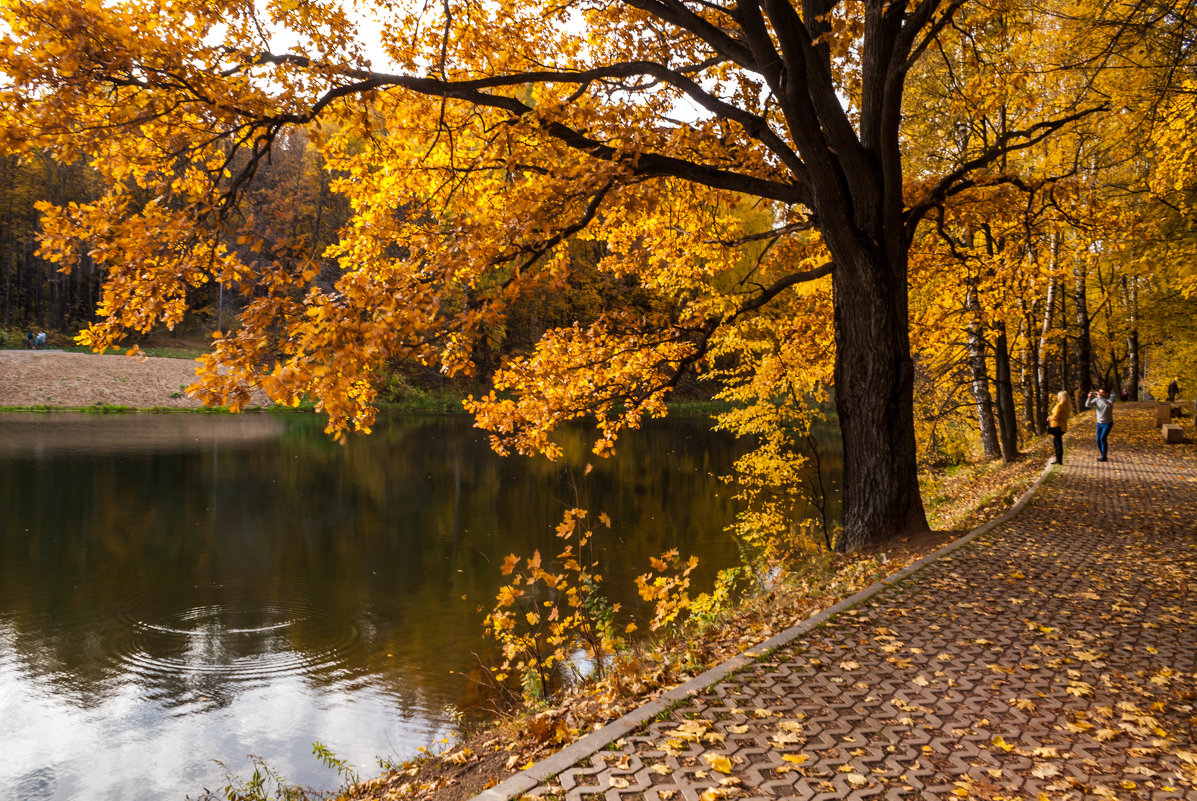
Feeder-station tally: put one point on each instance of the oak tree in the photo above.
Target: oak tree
(475, 143)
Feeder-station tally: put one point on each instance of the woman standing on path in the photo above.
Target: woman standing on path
(1105, 418)
(1057, 423)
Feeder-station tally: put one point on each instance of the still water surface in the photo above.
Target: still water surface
(179, 589)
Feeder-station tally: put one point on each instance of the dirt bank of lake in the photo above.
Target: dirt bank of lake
(74, 380)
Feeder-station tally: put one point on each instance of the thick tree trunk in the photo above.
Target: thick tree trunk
(1006, 410)
(874, 381)
(979, 374)
(853, 170)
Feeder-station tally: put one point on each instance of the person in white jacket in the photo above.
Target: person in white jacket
(1104, 404)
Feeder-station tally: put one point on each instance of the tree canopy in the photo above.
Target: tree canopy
(773, 178)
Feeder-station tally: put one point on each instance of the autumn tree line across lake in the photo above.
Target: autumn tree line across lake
(928, 215)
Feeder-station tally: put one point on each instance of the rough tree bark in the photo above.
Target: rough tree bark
(978, 369)
(1006, 410)
(874, 378)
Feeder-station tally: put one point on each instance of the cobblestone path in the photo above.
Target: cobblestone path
(1052, 657)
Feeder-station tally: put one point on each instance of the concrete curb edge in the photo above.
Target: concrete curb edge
(530, 777)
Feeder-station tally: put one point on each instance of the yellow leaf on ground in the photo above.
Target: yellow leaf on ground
(718, 762)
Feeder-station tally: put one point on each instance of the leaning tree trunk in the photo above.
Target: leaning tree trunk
(874, 396)
(1006, 410)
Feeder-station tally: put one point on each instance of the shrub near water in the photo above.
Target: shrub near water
(544, 615)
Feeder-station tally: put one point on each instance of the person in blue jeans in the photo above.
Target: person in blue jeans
(1105, 418)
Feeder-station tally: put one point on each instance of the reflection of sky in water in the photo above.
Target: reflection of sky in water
(141, 735)
(244, 586)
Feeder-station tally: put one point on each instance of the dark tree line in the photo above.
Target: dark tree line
(33, 293)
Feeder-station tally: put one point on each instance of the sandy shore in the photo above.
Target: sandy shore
(73, 380)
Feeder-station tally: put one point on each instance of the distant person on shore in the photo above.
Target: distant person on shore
(1057, 423)
(40, 342)
(1104, 404)
(29, 341)
(1173, 390)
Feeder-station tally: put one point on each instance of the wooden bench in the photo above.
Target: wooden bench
(1163, 413)
(1172, 433)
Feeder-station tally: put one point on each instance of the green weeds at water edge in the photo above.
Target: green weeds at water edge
(267, 785)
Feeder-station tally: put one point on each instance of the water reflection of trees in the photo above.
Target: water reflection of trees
(394, 538)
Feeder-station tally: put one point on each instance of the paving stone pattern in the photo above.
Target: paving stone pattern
(1052, 658)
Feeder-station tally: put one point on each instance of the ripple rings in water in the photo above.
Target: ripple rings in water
(227, 636)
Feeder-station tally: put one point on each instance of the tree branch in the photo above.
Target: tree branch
(640, 164)
(1008, 142)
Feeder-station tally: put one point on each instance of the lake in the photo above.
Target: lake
(178, 589)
